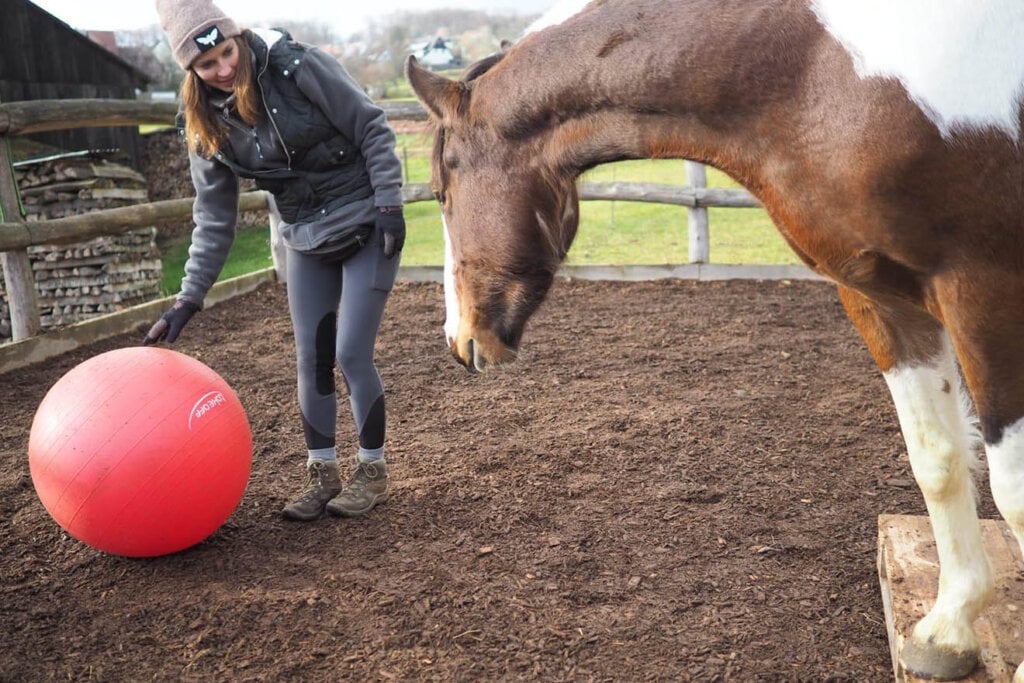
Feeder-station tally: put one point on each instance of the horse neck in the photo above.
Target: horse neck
(633, 79)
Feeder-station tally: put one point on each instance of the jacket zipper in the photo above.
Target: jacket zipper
(263, 99)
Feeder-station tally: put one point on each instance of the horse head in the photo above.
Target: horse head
(509, 217)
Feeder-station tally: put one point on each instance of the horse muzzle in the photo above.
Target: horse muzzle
(478, 354)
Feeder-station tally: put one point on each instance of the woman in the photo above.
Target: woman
(259, 105)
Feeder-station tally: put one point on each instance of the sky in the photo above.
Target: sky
(344, 17)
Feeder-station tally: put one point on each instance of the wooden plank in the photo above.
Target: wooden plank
(697, 216)
(79, 228)
(140, 195)
(135, 319)
(908, 572)
(105, 170)
(664, 193)
(19, 118)
(54, 188)
(20, 285)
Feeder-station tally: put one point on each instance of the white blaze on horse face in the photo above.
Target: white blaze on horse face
(547, 233)
(940, 438)
(451, 298)
(1006, 477)
(961, 61)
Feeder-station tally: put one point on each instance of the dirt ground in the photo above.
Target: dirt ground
(677, 481)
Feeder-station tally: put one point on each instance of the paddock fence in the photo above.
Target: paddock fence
(29, 344)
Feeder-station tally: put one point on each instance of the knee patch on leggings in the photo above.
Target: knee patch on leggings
(315, 440)
(371, 436)
(326, 333)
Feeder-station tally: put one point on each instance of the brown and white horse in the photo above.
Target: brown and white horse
(884, 137)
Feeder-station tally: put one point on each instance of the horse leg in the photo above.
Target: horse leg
(1006, 478)
(918, 363)
(987, 328)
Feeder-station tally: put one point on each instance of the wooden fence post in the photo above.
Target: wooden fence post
(21, 287)
(278, 252)
(697, 216)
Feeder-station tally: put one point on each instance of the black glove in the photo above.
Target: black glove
(391, 224)
(170, 324)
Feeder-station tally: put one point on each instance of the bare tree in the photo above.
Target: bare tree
(386, 42)
(147, 50)
(374, 56)
(311, 32)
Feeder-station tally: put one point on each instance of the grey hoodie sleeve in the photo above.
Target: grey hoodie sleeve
(328, 85)
(215, 212)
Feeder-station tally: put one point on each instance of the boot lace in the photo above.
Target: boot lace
(365, 473)
(313, 483)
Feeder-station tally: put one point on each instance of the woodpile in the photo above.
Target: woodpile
(165, 165)
(5, 313)
(93, 278)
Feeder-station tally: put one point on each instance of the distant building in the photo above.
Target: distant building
(437, 53)
(107, 39)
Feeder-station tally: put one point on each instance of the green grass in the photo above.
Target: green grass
(152, 128)
(644, 233)
(610, 232)
(617, 232)
(250, 252)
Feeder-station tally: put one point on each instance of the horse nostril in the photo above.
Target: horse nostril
(465, 362)
(473, 362)
(479, 363)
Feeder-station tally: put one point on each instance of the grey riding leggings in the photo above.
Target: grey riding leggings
(336, 309)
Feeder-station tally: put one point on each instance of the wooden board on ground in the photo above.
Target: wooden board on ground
(908, 571)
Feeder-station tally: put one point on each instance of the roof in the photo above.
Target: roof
(58, 36)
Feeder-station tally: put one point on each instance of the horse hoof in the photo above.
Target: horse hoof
(930, 662)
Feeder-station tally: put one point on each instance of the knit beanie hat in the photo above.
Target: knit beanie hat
(193, 27)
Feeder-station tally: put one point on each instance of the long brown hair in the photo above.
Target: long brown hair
(204, 130)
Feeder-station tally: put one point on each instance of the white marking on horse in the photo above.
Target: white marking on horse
(558, 13)
(451, 297)
(1006, 474)
(962, 62)
(941, 438)
(548, 233)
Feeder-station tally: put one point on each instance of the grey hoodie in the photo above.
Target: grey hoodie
(215, 212)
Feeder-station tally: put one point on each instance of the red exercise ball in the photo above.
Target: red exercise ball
(141, 451)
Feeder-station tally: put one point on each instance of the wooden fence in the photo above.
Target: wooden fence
(16, 234)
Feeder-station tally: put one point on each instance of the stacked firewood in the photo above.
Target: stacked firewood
(165, 165)
(69, 186)
(101, 275)
(5, 313)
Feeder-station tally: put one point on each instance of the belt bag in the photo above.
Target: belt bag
(344, 243)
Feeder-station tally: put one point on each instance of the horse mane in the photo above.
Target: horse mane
(482, 66)
(472, 72)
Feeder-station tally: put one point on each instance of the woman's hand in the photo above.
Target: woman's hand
(391, 223)
(170, 324)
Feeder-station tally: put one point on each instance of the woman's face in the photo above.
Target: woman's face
(218, 65)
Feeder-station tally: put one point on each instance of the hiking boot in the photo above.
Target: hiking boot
(367, 489)
(323, 484)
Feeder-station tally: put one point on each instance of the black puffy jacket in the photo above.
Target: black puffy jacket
(325, 169)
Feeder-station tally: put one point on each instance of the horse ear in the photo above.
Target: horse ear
(440, 95)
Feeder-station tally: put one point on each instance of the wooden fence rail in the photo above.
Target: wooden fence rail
(16, 234)
(73, 229)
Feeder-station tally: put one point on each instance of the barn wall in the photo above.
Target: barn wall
(43, 58)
